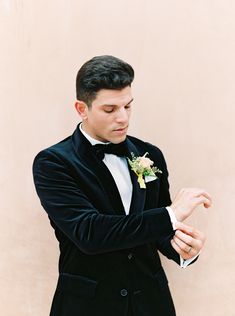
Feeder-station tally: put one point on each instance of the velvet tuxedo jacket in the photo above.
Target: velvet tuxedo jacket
(108, 260)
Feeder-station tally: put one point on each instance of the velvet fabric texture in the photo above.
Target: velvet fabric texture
(109, 264)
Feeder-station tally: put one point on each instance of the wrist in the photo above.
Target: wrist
(178, 214)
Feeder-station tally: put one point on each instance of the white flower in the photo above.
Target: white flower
(145, 162)
(142, 167)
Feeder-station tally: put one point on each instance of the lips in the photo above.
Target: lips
(120, 129)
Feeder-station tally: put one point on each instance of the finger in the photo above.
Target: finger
(183, 254)
(195, 192)
(203, 200)
(178, 249)
(196, 242)
(204, 196)
(204, 193)
(182, 245)
(187, 249)
(189, 230)
(206, 205)
(185, 238)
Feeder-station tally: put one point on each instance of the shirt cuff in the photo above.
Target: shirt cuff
(185, 263)
(172, 217)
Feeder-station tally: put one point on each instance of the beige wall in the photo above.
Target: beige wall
(183, 52)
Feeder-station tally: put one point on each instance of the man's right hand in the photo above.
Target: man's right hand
(187, 200)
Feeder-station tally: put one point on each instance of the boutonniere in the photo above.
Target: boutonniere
(142, 166)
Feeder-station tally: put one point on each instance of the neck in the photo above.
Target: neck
(90, 137)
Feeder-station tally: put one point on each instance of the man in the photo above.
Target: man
(107, 198)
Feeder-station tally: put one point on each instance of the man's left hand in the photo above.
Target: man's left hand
(187, 241)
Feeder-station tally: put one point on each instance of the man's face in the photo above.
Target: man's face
(107, 119)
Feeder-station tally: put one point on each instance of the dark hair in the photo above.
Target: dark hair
(102, 72)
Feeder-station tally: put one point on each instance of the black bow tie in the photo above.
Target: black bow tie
(120, 149)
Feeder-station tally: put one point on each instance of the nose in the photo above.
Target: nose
(122, 116)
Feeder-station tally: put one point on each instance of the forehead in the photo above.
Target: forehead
(113, 97)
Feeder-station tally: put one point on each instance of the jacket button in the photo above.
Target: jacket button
(130, 256)
(123, 292)
(137, 292)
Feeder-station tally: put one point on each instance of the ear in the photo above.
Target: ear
(81, 108)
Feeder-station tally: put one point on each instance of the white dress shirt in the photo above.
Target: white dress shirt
(119, 169)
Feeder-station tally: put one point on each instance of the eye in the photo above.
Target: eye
(108, 111)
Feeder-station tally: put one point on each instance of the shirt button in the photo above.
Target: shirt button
(123, 292)
(130, 256)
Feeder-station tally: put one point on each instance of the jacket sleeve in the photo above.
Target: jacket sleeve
(90, 230)
(164, 242)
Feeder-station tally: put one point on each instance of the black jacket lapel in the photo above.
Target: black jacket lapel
(138, 195)
(104, 178)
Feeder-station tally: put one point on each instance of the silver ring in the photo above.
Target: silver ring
(190, 248)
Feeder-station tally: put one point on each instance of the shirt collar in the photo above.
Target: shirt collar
(92, 140)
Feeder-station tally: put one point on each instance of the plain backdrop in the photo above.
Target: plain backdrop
(183, 54)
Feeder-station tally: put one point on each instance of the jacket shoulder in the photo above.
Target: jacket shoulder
(58, 151)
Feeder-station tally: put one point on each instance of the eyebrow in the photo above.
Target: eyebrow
(116, 104)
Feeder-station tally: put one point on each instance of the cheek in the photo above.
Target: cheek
(106, 120)
(102, 123)
(97, 120)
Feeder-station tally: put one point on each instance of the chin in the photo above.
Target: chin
(118, 140)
